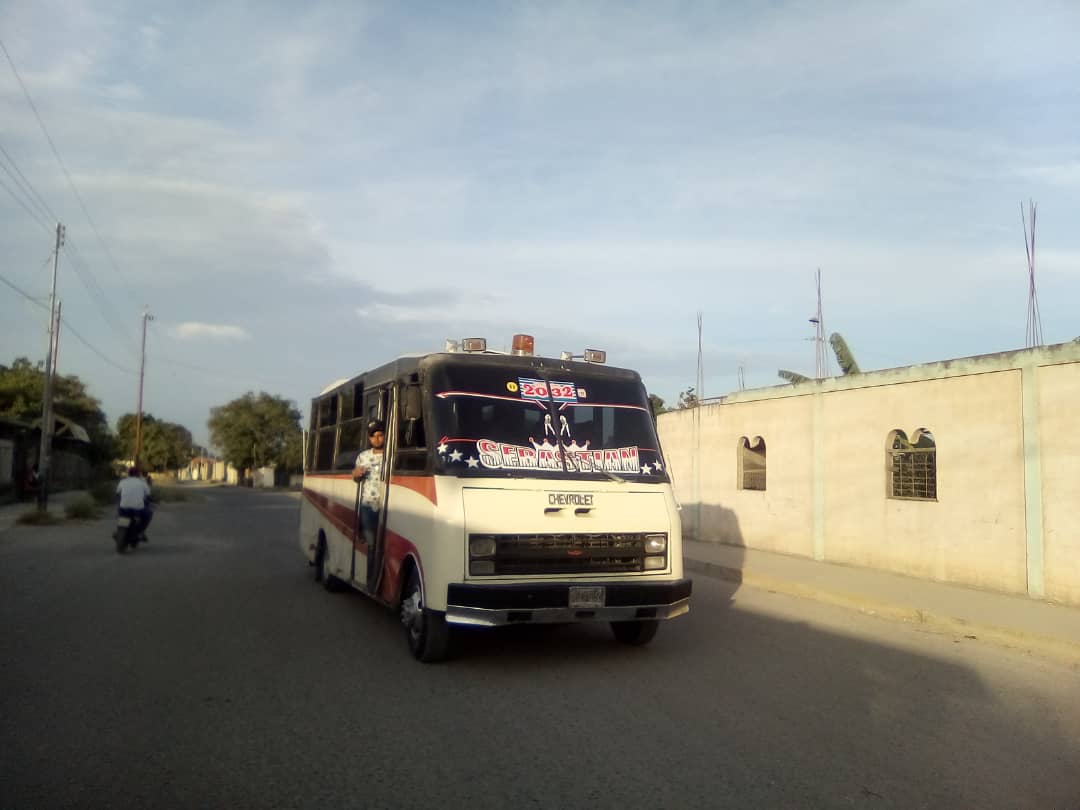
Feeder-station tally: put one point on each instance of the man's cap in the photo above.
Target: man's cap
(376, 426)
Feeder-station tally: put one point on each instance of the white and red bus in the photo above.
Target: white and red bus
(517, 489)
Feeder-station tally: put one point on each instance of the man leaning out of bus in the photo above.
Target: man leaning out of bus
(368, 474)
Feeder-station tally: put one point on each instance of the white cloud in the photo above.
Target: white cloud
(193, 330)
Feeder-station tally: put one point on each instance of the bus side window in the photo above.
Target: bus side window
(350, 443)
(411, 453)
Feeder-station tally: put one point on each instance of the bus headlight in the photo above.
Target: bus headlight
(482, 547)
(655, 563)
(655, 543)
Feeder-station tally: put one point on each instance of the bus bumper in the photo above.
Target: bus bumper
(546, 603)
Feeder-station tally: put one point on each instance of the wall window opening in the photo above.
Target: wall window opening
(752, 463)
(912, 465)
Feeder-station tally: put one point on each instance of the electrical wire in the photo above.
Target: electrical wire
(64, 169)
(70, 328)
(101, 300)
(30, 212)
(40, 204)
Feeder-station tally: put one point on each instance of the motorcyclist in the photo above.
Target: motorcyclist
(134, 495)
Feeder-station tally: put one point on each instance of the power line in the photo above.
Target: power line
(66, 323)
(32, 214)
(101, 300)
(63, 166)
(42, 206)
(218, 373)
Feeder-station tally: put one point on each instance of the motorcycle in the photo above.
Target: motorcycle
(129, 530)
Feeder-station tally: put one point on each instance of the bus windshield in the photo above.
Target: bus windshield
(523, 422)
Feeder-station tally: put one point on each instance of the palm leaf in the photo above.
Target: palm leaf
(793, 376)
(843, 354)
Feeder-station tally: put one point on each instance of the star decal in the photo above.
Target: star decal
(645, 468)
(658, 465)
(456, 455)
(473, 462)
(442, 448)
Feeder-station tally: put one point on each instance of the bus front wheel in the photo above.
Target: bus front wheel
(636, 633)
(322, 568)
(426, 630)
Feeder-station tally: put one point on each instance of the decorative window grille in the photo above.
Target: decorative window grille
(912, 466)
(752, 464)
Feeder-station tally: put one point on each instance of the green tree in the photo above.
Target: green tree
(688, 399)
(22, 387)
(165, 445)
(257, 430)
(657, 405)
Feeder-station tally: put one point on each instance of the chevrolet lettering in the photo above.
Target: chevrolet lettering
(569, 499)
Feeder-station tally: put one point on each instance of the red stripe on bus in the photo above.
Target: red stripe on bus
(420, 484)
(340, 516)
(397, 547)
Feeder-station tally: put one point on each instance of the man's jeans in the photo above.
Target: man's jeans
(369, 523)
(142, 515)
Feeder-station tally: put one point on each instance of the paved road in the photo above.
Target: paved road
(208, 670)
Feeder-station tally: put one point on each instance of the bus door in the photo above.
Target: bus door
(388, 407)
(364, 564)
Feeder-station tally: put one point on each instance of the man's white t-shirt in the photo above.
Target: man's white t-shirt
(372, 495)
(133, 493)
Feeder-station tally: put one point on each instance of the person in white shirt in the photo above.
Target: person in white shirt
(368, 473)
(134, 495)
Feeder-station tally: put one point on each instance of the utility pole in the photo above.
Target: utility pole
(56, 338)
(45, 448)
(147, 317)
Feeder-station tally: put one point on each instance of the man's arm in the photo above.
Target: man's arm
(360, 470)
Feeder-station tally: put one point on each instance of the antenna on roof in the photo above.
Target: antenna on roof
(1033, 335)
(821, 360)
(700, 363)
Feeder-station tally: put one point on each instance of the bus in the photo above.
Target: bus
(516, 489)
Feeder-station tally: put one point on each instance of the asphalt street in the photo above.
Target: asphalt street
(207, 669)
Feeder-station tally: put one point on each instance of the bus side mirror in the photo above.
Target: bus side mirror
(413, 404)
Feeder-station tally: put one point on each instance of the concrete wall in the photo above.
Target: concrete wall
(1008, 471)
(1059, 435)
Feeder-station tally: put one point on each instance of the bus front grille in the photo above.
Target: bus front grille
(578, 553)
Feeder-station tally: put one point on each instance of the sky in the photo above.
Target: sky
(297, 193)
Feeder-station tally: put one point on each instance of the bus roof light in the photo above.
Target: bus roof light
(595, 356)
(451, 345)
(522, 345)
(474, 344)
(566, 355)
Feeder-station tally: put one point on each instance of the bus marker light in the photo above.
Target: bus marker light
(595, 356)
(523, 345)
(655, 563)
(474, 344)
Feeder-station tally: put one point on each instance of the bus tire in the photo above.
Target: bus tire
(322, 558)
(635, 633)
(426, 631)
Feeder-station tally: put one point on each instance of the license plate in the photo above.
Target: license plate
(586, 597)
(124, 521)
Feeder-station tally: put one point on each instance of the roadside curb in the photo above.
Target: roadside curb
(1056, 649)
